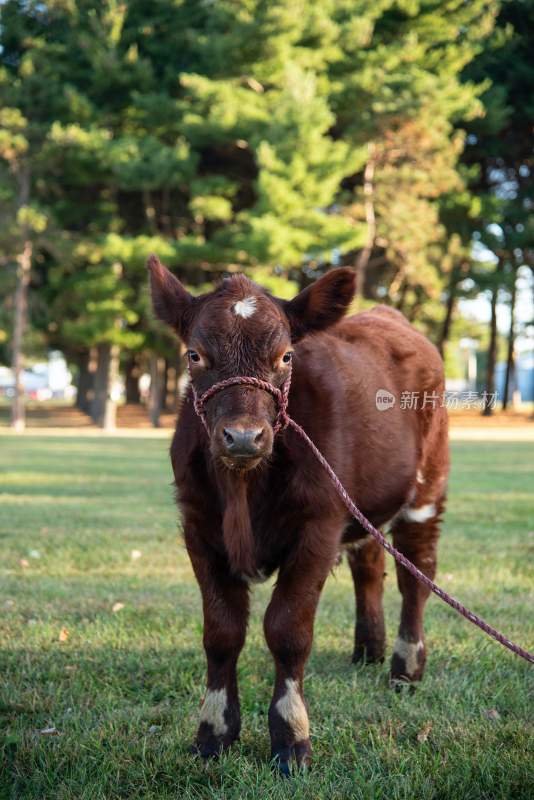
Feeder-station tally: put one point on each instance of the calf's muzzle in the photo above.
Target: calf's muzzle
(242, 441)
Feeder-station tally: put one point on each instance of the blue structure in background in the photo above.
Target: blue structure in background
(522, 380)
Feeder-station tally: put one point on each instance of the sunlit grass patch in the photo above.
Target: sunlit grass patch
(89, 545)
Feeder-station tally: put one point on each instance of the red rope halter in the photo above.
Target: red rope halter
(280, 395)
(283, 420)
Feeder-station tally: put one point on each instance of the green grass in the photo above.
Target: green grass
(124, 689)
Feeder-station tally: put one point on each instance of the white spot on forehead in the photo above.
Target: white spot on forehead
(245, 308)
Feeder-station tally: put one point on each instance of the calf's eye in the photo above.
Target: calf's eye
(286, 358)
(193, 356)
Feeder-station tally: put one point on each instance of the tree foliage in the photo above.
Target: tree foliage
(276, 137)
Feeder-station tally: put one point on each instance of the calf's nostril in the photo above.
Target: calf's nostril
(241, 441)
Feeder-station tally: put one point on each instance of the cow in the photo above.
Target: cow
(254, 504)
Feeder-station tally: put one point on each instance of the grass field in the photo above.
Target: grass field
(100, 640)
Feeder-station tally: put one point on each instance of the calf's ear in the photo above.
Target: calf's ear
(321, 304)
(172, 303)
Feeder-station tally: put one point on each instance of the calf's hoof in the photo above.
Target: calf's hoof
(407, 663)
(208, 745)
(299, 753)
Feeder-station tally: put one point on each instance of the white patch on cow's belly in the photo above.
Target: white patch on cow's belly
(213, 709)
(421, 514)
(293, 711)
(408, 651)
(245, 308)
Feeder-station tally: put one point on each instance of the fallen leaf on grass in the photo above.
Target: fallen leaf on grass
(63, 634)
(71, 667)
(135, 554)
(49, 731)
(492, 714)
(24, 563)
(422, 736)
(117, 607)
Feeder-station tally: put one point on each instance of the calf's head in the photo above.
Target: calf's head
(241, 330)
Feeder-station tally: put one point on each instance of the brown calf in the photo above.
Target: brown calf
(253, 504)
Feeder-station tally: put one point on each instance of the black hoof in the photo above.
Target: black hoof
(283, 756)
(283, 768)
(280, 759)
(401, 675)
(402, 685)
(207, 750)
(208, 745)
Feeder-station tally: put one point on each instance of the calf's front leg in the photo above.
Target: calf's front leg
(288, 629)
(225, 603)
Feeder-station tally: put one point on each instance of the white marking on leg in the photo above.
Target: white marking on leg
(420, 477)
(213, 709)
(292, 709)
(421, 514)
(408, 652)
(355, 546)
(245, 308)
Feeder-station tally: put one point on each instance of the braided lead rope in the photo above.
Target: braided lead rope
(283, 420)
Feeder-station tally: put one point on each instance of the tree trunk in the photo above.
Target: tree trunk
(110, 412)
(401, 302)
(133, 395)
(164, 381)
(487, 410)
(449, 313)
(157, 367)
(370, 219)
(165, 211)
(85, 382)
(104, 406)
(510, 361)
(24, 263)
